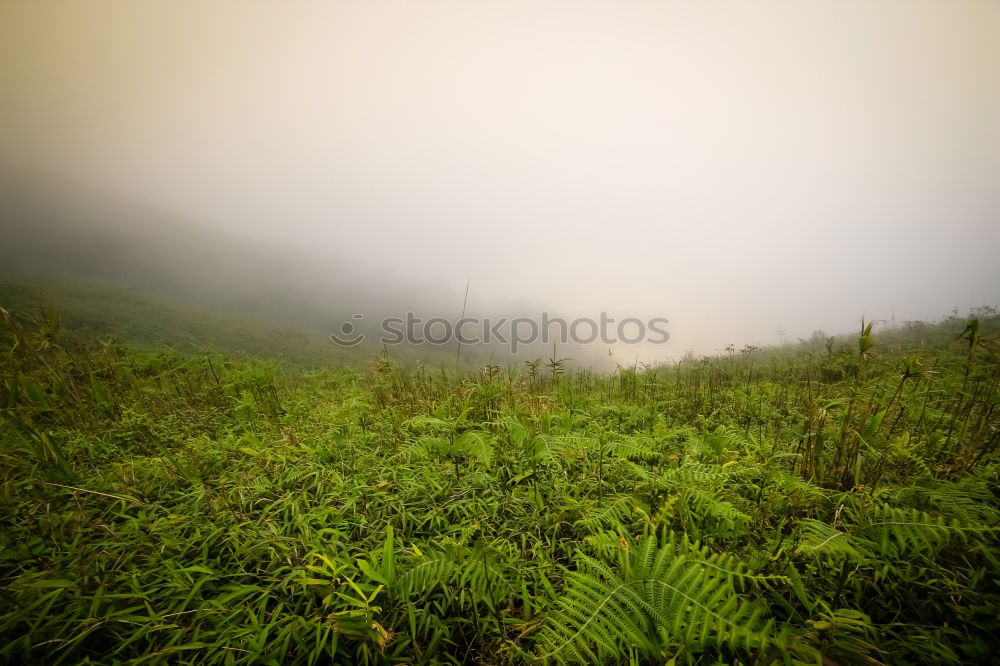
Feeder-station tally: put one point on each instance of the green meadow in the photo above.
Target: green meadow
(828, 502)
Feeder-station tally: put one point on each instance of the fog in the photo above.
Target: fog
(737, 168)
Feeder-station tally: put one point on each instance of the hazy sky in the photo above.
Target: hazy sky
(732, 166)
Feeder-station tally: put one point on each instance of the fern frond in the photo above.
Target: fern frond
(707, 505)
(797, 490)
(694, 474)
(555, 448)
(896, 530)
(475, 574)
(476, 445)
(725, 564)
(660, 600)
(817, 539)
(429, 571)
(634, 449)
(968, 500)
(614, 513)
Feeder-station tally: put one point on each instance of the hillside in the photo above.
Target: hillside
(95, 310)
(818, 504)
(116, 266)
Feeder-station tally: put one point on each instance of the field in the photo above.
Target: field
(831, 502)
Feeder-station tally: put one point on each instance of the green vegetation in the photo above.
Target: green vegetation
(93, 310)
(834, 503)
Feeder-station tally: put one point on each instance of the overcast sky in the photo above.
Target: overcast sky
(735, 167)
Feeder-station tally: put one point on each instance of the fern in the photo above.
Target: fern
(725, 564)
(967, 500)
(473, 575)
(632, 449)
(817, 540)
(430, 570)
(467, 446)
(660, 600)
(707, 505)
(693, 474)
(715, 443)
(615, 513)
(609, 544)
(556, 448)
(897, 531)
(794, 490)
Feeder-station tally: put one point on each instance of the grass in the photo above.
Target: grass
(835, 502)
(95, 310)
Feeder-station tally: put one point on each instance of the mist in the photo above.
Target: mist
(749, 172)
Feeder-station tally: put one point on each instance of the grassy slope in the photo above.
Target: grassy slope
(94, 311)
(165, 508)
